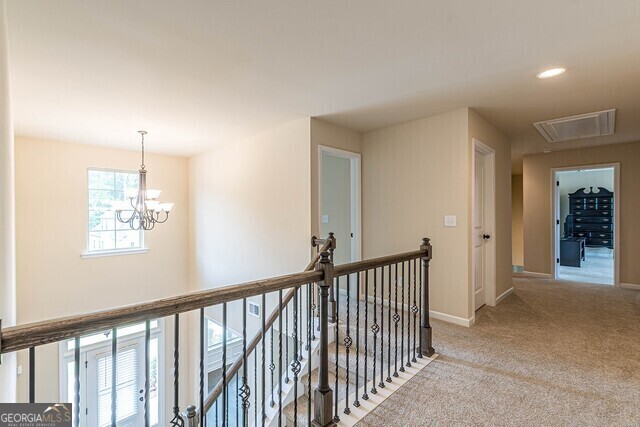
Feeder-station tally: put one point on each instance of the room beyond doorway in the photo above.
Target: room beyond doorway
(585, 224)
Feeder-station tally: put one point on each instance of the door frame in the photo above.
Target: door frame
(555, 214)
(490, 221)
(356, 198)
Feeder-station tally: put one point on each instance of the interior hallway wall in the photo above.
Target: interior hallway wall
(7, 214)
(537, 203)
(517, 236)
(51, 228)
(484, 131)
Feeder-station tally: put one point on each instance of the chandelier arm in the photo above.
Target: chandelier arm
(119, 216)
(166, 217)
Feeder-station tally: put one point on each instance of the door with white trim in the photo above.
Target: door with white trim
(479, 232)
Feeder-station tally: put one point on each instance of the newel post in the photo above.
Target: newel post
(323, 395)
(426, 347)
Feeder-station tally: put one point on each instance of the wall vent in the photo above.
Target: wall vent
(575, 127)
(254, 309)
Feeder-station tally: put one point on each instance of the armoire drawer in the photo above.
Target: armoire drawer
(599, 242)
(600, 235)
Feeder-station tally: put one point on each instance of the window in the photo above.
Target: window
(104, 232)
(96, 376)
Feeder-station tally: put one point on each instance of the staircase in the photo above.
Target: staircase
(299, 368)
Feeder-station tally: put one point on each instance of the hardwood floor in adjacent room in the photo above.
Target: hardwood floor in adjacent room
(553, 353)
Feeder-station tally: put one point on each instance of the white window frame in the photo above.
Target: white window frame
(67, 355)
(92, 253)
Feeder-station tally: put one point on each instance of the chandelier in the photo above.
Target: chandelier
(145, 210)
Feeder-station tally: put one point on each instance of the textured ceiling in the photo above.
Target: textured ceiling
(197, 74)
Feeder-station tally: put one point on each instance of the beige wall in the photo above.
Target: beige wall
(517, 237)
(537, 203)
(53, 279)
(482, 130)
(413, 175)
(250, 211)
(416, 173)
(7, 214)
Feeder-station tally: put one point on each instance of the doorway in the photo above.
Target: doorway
(585, 224)
(483, 225)
(339, 202)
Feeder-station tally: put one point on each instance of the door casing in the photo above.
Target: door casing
(478, 147)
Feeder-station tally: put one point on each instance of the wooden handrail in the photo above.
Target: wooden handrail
(38, 333)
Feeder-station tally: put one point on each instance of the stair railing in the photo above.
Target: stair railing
(325, 399)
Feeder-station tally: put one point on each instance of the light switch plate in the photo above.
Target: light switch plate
(325, 219)
(450, 220)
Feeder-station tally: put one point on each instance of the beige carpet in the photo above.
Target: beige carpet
(552, 354)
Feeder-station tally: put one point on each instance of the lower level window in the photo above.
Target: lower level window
(96, 377)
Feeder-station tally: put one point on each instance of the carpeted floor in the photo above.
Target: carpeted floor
(552, 354)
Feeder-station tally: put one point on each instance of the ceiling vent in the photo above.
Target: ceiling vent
(575, 127)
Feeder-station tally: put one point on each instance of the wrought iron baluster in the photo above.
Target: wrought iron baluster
(300, 325)
(365, 396)
(347, 346)
(76, 380)
(202, 335)
(336, 417)
(217, 409)
(389, 317)
(272, 368)
(286, 342)
(225, 384)
(237, 401)
(414, 310)
(177, 420)
(401, 322)
(295, 365)
(356, 402)
(32, 374)
(263, 370)
(406, 279)
(114, 382)
(396, 319)
(381, 383)
(280, 358)
(255, 387)
(375, 328)
(245, 390)
(147, 371)
(309, 328)
(420, 313)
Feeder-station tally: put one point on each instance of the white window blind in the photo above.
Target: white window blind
(126, 385)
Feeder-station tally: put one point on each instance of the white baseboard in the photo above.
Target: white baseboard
(504, 295)
(535, 274)
(630, 286)
(434, 314)
(452, 319)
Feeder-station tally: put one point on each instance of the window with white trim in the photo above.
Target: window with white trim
(104, 232)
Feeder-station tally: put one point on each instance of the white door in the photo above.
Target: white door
(129, 385)
(479, 240)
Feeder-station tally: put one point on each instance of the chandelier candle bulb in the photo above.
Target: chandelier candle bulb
(146, 210)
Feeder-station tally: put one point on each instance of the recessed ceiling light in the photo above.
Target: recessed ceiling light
(551, 72)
